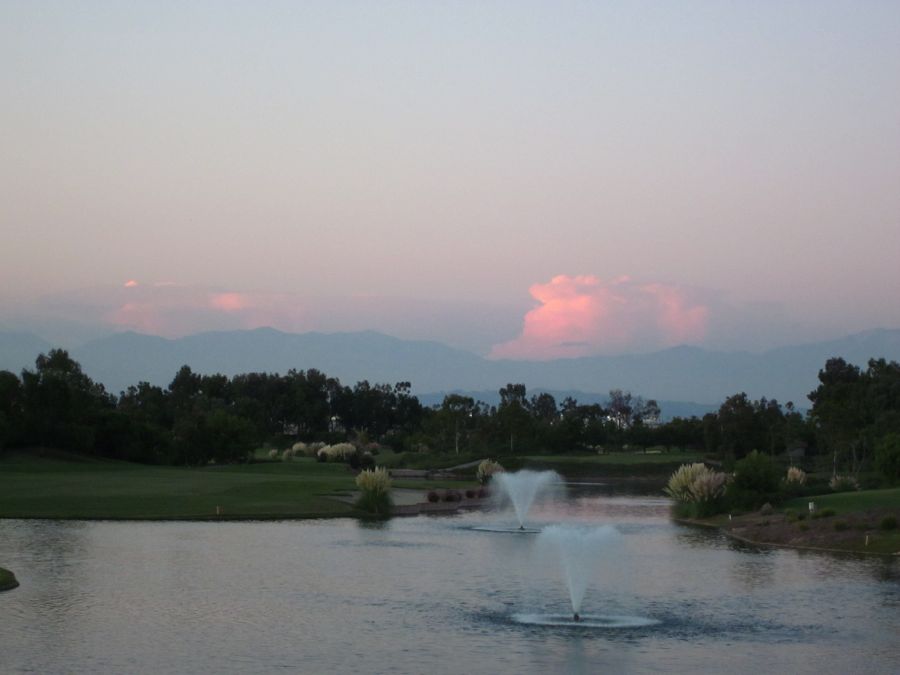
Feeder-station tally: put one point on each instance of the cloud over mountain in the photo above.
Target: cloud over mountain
(585, 315)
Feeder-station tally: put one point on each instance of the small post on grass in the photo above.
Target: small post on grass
(812, 507)
(218, 510)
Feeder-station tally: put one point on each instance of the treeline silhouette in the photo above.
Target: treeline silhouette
(197, 418)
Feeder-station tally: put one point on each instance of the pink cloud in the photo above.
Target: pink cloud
(231, 302)
(585, 315)
(172, 310)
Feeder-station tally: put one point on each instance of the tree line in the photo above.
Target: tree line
(198, 418)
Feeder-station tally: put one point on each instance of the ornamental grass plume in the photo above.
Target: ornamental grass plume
(374, 480)
(486, 469)
(312, 449)
(708, 486)
(697, 489)
(680, 482)
(375, 488)
(337, 452)
(840, 483)
(795, 476)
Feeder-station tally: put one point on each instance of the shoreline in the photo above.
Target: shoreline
(758, 521)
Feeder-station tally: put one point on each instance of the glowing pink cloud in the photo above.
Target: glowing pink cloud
(584, 315)
(231, 302)
(131, 283)
(173, 310)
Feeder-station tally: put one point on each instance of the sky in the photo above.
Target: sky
(521, 179)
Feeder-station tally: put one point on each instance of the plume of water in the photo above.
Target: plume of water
(523, 487)
(579, 551)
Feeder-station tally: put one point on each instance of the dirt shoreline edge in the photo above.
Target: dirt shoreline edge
(690, 522)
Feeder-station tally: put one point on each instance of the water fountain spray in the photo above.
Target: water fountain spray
(524, 487)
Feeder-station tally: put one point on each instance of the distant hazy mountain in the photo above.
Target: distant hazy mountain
(19, 350)
(126, 358)
(675, 376)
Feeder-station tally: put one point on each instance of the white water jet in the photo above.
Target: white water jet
(579, 553)
(523, 488)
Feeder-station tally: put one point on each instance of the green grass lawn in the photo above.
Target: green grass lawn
(845, 502)
(613, 464)
(39, 487)
(59, 485)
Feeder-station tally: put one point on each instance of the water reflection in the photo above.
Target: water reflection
(417, 594)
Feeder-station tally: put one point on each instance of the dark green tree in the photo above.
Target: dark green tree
(513, 417)
(62, 407)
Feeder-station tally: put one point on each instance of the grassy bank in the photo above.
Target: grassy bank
(7, 580)
(844, 502)
(857, 522)
(574, 465)
(613, 464)
(73, 487)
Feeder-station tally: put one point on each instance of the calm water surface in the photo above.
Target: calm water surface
(432, 595)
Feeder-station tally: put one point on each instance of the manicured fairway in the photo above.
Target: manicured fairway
(34, 487)
(614, 464)
(844, 502)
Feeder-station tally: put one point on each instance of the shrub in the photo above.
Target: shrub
(273, 454)
(697, 489)
(756, 473)
(287, 455)
(824, 513)
(299, 448)
(888, 523)
(433, 496)
(708, 487)
(840, 483)
(470, 494)
(486, 469)
(452, 496)
(681, 482)
(483, 493)
(804, 526)
(338, 452)
(756, 481)
(375, 485)
(312, 449)
(841, 525)
(795, 476)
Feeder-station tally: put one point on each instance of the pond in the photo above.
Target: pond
(433, 594)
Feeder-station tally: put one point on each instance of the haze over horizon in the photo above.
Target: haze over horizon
(521, 180)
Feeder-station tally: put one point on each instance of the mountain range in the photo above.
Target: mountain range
(689, 379)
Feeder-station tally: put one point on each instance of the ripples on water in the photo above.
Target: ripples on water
(432, 594)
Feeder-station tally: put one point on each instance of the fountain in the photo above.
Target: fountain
(522, 488)
(579, 552)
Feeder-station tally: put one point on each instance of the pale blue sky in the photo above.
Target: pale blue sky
(745, 155)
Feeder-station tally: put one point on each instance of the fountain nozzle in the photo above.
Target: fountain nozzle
(577, 617)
